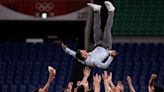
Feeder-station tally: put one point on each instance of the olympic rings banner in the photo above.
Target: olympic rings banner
(32, 9)
(44, 7)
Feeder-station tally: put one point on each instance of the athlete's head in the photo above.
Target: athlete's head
(120, 86)
(80, 88)
(82, 54)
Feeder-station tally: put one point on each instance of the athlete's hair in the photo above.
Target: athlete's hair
(78, 55)
(81, 88)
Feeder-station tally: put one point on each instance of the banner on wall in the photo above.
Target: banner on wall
(51, 9)
(9, 14)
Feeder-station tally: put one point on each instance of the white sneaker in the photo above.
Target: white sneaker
(95, 7)
(109, 6)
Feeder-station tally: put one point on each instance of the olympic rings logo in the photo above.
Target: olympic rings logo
(44, 7)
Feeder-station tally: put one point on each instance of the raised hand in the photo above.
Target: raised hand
(129, 80)
(52, 72)
(114, 53)
(96, 82)
(70, 84)
(63, 45)
(111, 82)
(86, 71)
(105, 76)
(106, 84)
(110, 77)
(151, 87)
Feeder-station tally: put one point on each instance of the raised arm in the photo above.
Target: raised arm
(151, 84)
(52, 73)
(108, 62)
(67, 50)
(69, 89)
(111, 84)
(106, 84)
(131, 88)
(96, 83)
(86, 72)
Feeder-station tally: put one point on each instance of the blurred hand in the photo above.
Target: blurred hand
(151, 87)
(86, 71)
(52, 72)
(106, 83)
(96, 79)
(129, 80)
(70, 84)
(114, 53)
(78, 83)
(105, 76)
(63, 45)
(152, 79)
(119, 86)
(110, 77)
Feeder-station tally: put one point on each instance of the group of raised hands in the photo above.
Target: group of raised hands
(107, 81)
(110, 87)
(83, 85)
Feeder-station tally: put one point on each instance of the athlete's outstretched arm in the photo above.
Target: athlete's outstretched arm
(70, 52)
(67, 50)
(106, 64)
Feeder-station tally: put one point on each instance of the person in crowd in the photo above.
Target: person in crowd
(69, 89)
(109, 85)
(83, 86)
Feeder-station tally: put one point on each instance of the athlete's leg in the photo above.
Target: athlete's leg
(97, 23)
(107, 37)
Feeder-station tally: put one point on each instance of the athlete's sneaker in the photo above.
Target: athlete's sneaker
(95, 7)
(109, 6)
